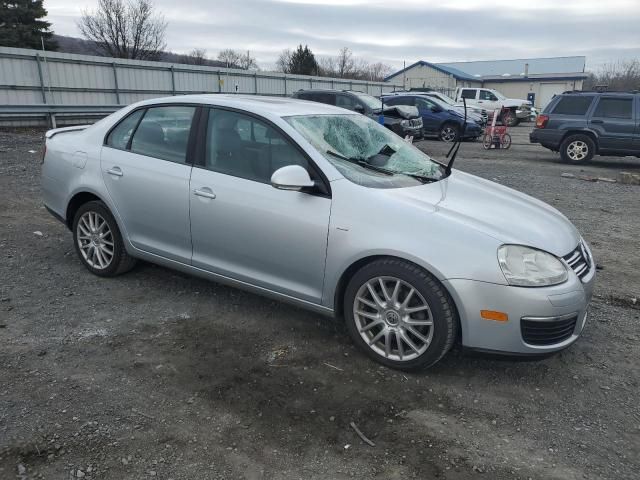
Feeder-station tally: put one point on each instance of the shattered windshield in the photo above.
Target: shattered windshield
(365, 152)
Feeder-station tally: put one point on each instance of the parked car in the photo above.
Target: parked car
(438, 121)
(580, 125)
(477, 114)
(329, 210)
(514, 109)
(400, 120)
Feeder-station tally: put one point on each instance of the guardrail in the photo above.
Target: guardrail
(53, 112)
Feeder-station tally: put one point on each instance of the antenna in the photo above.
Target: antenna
(453, 151)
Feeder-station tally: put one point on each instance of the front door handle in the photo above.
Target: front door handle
(597, 121)
(204, 192)
(115, 171)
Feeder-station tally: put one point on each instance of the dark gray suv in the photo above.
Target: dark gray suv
(580, 125)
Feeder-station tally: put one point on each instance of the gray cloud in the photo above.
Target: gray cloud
(398, 31)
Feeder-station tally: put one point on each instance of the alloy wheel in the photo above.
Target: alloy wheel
(448, 134)
(577, 150)
(95, 240)
(393, 318)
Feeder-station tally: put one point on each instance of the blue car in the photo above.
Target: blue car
(437, 120)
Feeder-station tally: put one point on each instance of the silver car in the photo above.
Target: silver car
(327, 209)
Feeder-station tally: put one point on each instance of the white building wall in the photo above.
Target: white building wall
(544, 89)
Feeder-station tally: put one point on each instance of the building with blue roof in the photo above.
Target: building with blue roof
(517, 78)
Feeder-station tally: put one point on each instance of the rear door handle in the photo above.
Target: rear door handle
(204, 192)
(597, 121)
(115, 171)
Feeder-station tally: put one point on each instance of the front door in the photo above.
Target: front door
(145, 168)
(613, 119)
(244, 228)
(488, 101)
(431, 120)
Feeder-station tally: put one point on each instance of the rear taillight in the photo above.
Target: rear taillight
(541, 121)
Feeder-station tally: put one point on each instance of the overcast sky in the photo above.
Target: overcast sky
(393, 31)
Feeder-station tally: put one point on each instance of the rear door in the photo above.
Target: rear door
(146, 168)
(615, 121)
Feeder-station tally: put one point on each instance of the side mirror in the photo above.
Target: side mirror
(358, 109)
(436, 109)
(291, 177)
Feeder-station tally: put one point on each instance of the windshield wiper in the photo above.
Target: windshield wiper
(360, 161)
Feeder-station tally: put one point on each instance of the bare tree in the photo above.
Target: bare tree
(236, 59)
(198, 56)
(378, 71)
(120, 29)
(283, 64)
(616, 76)
(345, 62)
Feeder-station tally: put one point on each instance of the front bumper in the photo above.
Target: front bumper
(553, 306)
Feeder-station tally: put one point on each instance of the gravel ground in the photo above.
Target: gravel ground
(157, 374)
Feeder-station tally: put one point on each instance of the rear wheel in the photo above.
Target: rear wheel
(98, 241)
(577, 149)
(449, 132)
(399, 314)
(505, 141)
(487, 140)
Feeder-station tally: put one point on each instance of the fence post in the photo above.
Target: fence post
(255, 82)
(115, 81)
(284, 76)
(311, 83)
(351, 85)
(44, 93)
(173, 81)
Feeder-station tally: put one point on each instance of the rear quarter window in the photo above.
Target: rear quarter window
(573, 105)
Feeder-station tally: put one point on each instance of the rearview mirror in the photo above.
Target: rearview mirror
(291, 177)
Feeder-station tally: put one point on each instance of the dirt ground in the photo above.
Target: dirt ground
(157, 374)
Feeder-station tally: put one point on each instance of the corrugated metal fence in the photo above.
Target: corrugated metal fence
(35, 86)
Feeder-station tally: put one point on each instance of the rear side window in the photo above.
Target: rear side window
(609, 107)
(468, 94)
(119, 136)
(573, 105)
(398, 101)
(164, 133)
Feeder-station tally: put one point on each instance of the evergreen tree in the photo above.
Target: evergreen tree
(22, 25)
(303, 62)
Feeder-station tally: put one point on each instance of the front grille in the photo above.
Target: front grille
(579, 261)
(548, 331)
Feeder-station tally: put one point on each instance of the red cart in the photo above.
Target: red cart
(496, 136)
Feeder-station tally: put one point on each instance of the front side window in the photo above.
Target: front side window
(487, 95)
(365, 152)
(610, 107)
(469, 94)
(345, 101)
(573, 105)
(398, 101)
(243, 146)
(163, 133)
(119, 136)
(372, 102)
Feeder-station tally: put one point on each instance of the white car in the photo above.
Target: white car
(491, 100)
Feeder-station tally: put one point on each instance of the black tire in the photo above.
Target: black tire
(509, 118)
(442, 311)
(577, 149)
(449, 132)
(121, 261)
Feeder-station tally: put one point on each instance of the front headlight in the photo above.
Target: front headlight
(405, 123)
(527, 267)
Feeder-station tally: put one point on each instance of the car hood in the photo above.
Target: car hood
(400, 111)
(515, 102)
(495, 210)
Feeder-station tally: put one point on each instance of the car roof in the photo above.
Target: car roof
(264, 105)
(595, 92)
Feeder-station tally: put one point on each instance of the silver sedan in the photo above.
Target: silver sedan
(327, 209)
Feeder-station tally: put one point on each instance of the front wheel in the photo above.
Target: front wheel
(98, 241)
(449, 133)
(399, 314)
(505, 141)
(509, 118)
